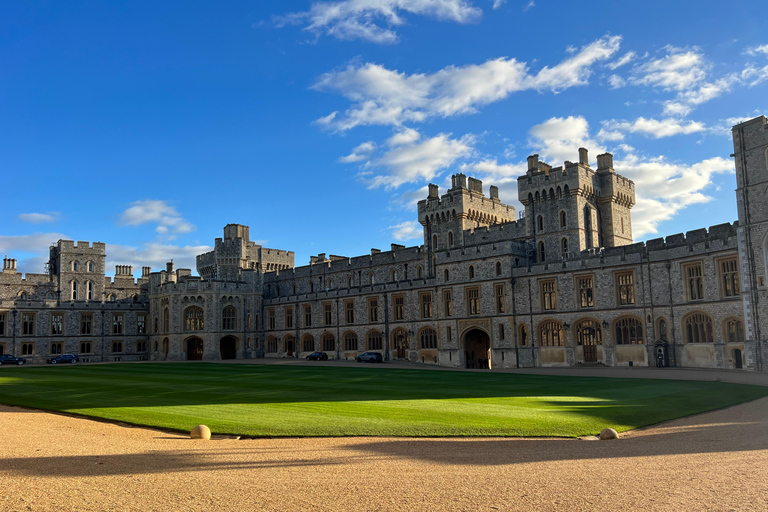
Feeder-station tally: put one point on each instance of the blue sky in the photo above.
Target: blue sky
(151, 125)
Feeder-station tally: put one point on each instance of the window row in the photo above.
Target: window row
(350, 342)
(86, 348)
(86, 324)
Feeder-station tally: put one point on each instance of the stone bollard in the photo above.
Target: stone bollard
(608, 433)
(200, 432)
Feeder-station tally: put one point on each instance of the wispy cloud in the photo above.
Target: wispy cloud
(154, 255)
(654, 128)
(30, 250)
(409, 230)
(39, 218)
(168, 220)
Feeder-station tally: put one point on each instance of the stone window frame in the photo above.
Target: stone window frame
(194, 319)
(724, 282)
(271, 319)
(498, 268)
(448, 302)
(564, 247)
(90, 267)
(308, 341)
(446, 275)
(271, 345)
(56, 348)
(373, 309)
(351, 341)
(619, 287)
(117, 324)
(657, 327)
(2, 322)
(73, 290)
(141, 325)
(328, 340)
(473, 300)
(693, 285)
(374, 340)
(117, 347)
(86, 323)
(142, 346)
(587, 322)
(307, 310)
(327, 313)
(288, 316)
(57, 327)
(548, 294)
(448, 333)
(166, 320)
(289, 343)
(426, 309)
(398, 309)
(86, 347)
(499, 298)
(502, 332)
(471, 272)
(589, 291)
(555, 337)
(523, 335)
(349, 312)
(726, 328)
(427, 337)
(28, 349)
(542, 252)
(28, 323)
(704, 327)
(563, 219)
(627, 323)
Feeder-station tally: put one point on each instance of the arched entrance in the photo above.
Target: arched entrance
(477, 349)
(228, 347)
(194, 349)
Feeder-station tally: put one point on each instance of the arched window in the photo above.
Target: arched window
(428, 338)
(166, 320)
(271, 345)
(733, 330)
(629, 331)
(370, 278)
(229, 318)
(194, 318)
(542, 253)
(446, 274)
(350, 341)
(157, 327)
(662, 329)
(551, 334)
(698, 328)
(23, 295)
(48, 297)
(55, 348)
(111, 297)
(622, 225)
(522, 336)
(393, 275)
(540, 223)
(418, 272)
(89, 288)
(450, 239)
(374, 340)
(471, 272)
(90, 266)
(349, 281)
(74, 290)
(75, 266)
(311, 287)
(117, 347)
(498, 268)
(564, 247)
(434, 242)
(589, 332)
(588, 226)
(562, 219)
(166, 346)
(308, 343)
(329, 342)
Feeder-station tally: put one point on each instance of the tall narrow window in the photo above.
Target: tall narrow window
(373, 309)
(117, 324)
(564, 248)
(307, 315)
(729, 278)
(734, 331)
(473, 301)
(425, 305)
(629, 331)
(74, 290)
(89, 287)
(562, 220)
(552, 334)
(428, 338)
(663, 329)
(446, 275)
(542, 253)
(86, 323)
(228, 318)
(625, 287)
(694, 281)
(399, 301)
(448, 302)
(586, 291)
(289, 317)
(327, 317)
(271, 322)
(141, 324)
(349, 312)
(2, 324)
(471, 272)
(549, 295)
(450, 239)
(28, 324)
(194, 318)
(540, 223)
(498, 292)
(434, 242)
(498, 268)
(501, 331)
(588, 227)
(57, 319)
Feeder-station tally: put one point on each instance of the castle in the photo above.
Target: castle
(561, 285)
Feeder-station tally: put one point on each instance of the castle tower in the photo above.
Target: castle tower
(78, 270)
(750, 150)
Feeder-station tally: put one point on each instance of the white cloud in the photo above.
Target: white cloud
(504, 176)
(409, 230)
(405, 136)
(155, 211)
(757, 49)
(381, 96)
(615, 129)
(361, 152)
(498, 3)
(625, 59)
(154, 255)
(31, 251)
(678, 70)
(374, 20)
(38, 218)
(615, 81)
(558, 139)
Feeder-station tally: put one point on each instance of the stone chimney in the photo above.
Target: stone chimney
(605, 162)
(494, 192)
(145, 271)
(533, 162)
(169, 267)
(584, 156)
(433, 191)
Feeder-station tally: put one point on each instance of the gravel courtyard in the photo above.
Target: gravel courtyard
(713, 461)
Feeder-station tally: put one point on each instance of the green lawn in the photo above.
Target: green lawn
(273, 400)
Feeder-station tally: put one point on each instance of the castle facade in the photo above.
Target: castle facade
(560, 284)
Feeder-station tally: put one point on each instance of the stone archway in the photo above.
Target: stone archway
(194, 349)
(228, 347)
(477, 349)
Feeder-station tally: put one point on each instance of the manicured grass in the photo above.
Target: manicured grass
(257, 400)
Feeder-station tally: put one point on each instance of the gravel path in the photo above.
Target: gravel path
(713, 461)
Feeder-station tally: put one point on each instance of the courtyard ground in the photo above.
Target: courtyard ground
(712, 461)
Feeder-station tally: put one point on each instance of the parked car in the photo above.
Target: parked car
(317, 356)
(370, 357)
(9, 359)
(64, 358)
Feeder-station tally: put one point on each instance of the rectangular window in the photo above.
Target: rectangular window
(27, 349)
(448, 333)
(117, 324)
(399, 307)
(586, 289)
(694, 281)
(271, 319)
(289, 317)
(85, 347)
(141, 324)
(425, 305)
(349, 312)
(548, 295)
(307, 315)
(141, 346)
(2, 324)
(28, 324)
(729, 278)
(373, 310)
(57, 319)
(625, 288)
(327, 317)
(498, 292)
(86, 323)
(55, 348)
(448, 302)
(473, 301)
(501, 331)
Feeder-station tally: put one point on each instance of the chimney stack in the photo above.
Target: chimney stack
(584, 156)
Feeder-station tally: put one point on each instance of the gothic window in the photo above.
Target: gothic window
(589, 332)
(663, 329)
(228, 318)
(327, 317)
(448, 302)
(552, 334)
(374, 340)
(540, 223)
(86, 323)
(522, 337)
(498, 292)
(434, 242)
(428, 338)
(399, 301)
(425, 305)
(271, 323)
(564, 248)
(548, 294)
(90, 266)
(289, 317)
(28, 324)
(625, 288)
(542, 253)
(698, 328)
(329, 342)
(85, 347)
(418, 272)
(56, 324)
(588, 226)
(349, 281)
(393, 275)
(111, 297)
(694, 281)
(308, 343)
(349, 312)
(75, 266)
(194, 318)
(729, 278)
(586, 291)
(55, 349)
(271, 345)
(307, 315)
(117, 324)
(117, 347)
(498, 268)
(89, 288)
(562, 220)
(74, 290)
(350, 341)
(2, 324)
(446, 275)
(289, 343)
(27, 349)
(473, 301)
(450, 239)
(629, 331)
(141, 346)
(157, 325)
(734, 331)
(373, 310)
(370, 278)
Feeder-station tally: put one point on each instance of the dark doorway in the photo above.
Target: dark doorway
(477, 349)
(737, 359)
(194, 349)
(228, 347)
(401, 344)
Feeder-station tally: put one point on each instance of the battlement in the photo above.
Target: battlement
(81, 247)
(495, 233)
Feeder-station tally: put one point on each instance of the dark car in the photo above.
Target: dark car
(370, 357)
(317, 356)
(9, 359)
(64, 358)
